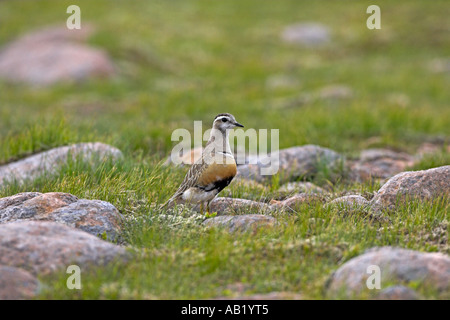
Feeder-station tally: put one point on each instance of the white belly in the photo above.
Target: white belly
(194, 195)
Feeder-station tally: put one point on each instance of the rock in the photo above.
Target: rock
(58, 55)
(428, 148)
(349, 202)
(291, 188)
(17, 284)
(44, 247)
(306, 34)
(274, 295)
(224, 206)
(50, 161)
(335, 92)
(281, 82)
(292, 163)
(406, 186)
(296, 200)
(439, 65)
(379, 164)
(397, 293)
(93, 216)
(397, 266)
(241, 223)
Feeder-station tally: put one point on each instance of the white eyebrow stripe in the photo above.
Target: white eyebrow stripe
(222, 117)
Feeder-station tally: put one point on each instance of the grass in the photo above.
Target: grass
(181, 61)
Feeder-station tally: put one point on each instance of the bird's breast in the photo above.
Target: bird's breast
(218, 172)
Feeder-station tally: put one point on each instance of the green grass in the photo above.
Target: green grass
(180, 61)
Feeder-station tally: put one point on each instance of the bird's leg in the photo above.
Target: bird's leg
(207, 206)
(201, 207)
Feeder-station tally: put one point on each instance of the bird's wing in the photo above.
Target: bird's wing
(191, 178)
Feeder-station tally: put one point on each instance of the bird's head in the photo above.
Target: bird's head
(225, 121)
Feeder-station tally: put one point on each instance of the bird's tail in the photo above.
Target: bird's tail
(168, 204)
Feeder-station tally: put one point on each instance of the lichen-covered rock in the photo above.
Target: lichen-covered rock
(242, 223)
(406, 186)
(44, 247)
(17, 284)
(93, 216)
(397, 266)
(50, 161)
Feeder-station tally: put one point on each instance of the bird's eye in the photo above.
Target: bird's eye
(224, 120)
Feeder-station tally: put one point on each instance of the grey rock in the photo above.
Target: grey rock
(50, 161)
(52, 55)
(308, 34)
(379, 164)
(406, 186)
(291, 188)
(45, 247)
(335, 92)
(397, 293)
(242, 223)
(349, 202)
(397, 266)
(17, 284)
(293, 202)
(224, 206)
(292, 163)
(93, 216)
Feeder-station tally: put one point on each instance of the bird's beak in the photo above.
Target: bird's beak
(237, 124)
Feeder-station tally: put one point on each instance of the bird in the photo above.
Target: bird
(214, 171)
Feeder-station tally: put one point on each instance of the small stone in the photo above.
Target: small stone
(291, 188)
(296, 200)
(307, 34)
(242, 223)
(224, 206)
(349, 202)
(335, 92)
(17, 284)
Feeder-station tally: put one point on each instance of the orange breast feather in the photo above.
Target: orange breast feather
(217, 172)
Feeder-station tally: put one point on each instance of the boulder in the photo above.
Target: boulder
(379, 164)
(292, 163)
(52, 55)
(93, 216)
(17, 284)
(50, 161)
(406, 186)
(43, 247)
(397, 266)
